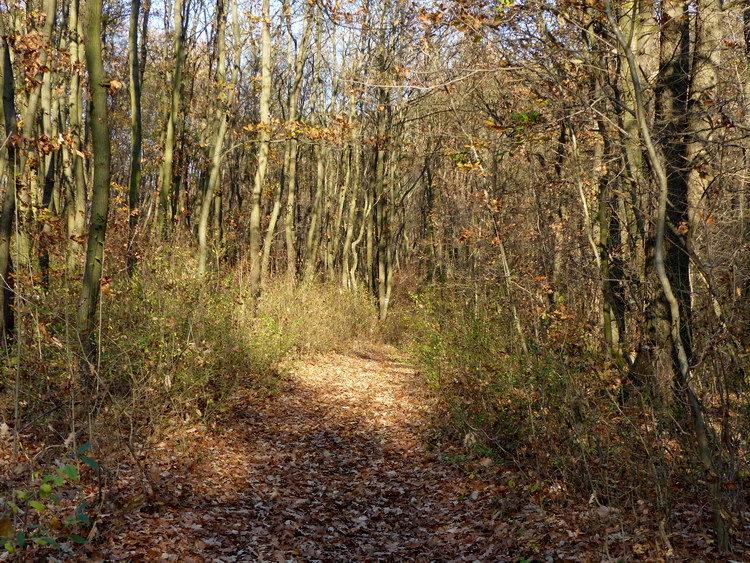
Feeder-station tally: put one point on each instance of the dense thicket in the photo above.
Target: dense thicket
(552, 195)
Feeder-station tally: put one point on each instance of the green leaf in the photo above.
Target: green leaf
(76, 538)
(39, 541)
(90, 462)
(36, 505)
(23, 495)
(9, 547)
(21, 539)
(46, 488)
(71, 471)
(84, 448)
(59, 480)
(13, 506)
(83, 518)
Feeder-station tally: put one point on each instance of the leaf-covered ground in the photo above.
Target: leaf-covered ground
(335, 467)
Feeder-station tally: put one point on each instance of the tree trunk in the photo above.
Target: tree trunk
(704, 76)
(670, 249)
(73, 157)
(217, 143)
(382, 201)
(28, 181)
(134, 176)
(167, 207)
(7, 316)
(47, 161)
(263, 150)
(100, 192)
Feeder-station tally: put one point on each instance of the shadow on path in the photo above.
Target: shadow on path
(332, 469)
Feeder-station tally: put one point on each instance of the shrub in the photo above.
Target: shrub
(560, 416)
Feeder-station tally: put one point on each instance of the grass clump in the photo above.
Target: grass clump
(184, 344)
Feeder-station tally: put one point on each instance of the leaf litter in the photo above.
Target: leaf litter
(338, 466)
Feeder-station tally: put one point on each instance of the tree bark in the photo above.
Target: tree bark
(73, 157)
(7, 318)
(167, 207)
(217, 143)
(99, 125)
(263, 150)
(134, 176)
(671, 258)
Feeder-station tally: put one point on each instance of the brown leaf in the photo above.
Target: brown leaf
(6, 527)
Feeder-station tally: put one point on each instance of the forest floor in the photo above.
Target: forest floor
(336, 466)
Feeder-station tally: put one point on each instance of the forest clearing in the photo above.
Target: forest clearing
(389, 280)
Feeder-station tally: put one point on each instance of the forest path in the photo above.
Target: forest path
(331, 469)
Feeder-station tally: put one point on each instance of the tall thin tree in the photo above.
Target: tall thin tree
(99, 125)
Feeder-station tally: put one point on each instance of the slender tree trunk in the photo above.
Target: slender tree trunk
(671, 121)
(271, 232)
(134, 177)
(100, 193)
(75, 188)
(28, 184)
(364, 225)
(290, 156)
(382, 202)
(167, 206)
(290, 211)
(339, 217)
(311, 245)
(638, 24)
(317, 209)
(353, 171)
(47, 161)
(217, 143)
(263, 150)
(608, 248)
(7, 318)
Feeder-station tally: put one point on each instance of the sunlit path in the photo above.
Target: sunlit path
(334, 468)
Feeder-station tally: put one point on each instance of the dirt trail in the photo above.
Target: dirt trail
(331, 469)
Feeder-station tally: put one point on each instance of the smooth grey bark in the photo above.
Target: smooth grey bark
(73, 156)
(263, 150)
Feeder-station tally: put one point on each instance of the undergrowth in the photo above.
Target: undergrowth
(556, 414)
(174, 348)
